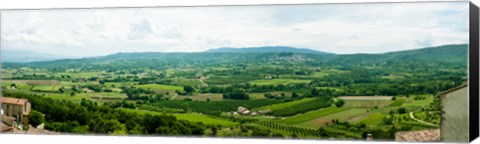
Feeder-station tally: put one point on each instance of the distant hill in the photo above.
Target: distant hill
(266, 49)
(447, 53)
(27, 56)
(450, 53)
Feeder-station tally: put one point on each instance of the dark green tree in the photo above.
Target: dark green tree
(188, 89)
(340, 102)
(36, 118)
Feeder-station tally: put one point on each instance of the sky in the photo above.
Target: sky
(336, 28)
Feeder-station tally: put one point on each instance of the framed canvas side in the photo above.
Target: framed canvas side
(473, 72)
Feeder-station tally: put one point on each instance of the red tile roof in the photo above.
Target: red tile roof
(7, 120)
(5, 128)
(15, 101)
(430, 135)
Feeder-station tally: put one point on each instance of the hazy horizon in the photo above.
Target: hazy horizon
(334, 28)
(67, 56)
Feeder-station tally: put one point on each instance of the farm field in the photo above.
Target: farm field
(161, 87)
(314, 75)
(422, 102)
(79, 74)
(296, 119)
(272, 94)
(278, 81)
(89, 96)
(285, 105)
(201, 97)
(346, 115)
(193, 117)
(366, 101)
(374, 119)
(262, 95)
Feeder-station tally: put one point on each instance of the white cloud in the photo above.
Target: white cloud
(339, 28)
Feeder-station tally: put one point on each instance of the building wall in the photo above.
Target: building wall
(15, 111)
(454, 126)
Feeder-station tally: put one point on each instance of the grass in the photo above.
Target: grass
(374, 119)
(59, 96)
(192, 117)
(213, 107)
(6, 83)
(346, 115)
(320, 74)
(427, 101)
(47, 88)
(284, 105)
(79, 74)
(186, 82)
(205, 119)
(311, 115)
(397, 102)
(78, 97)
(161, 87)
(119, 84)
(332, 88)
(324, 73)
(393, 77)
(201, 97)
(35, 82)
(257, 95)
(227, 80)
(366, 103)
(262, 95)
(109, 95)
(278, 81)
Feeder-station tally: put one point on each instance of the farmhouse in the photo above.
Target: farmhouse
(246, 111)
(454, 126)
(16, 108)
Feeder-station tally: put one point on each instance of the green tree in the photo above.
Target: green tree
(188, 89)
(402, 110)
(340, 102)
(295, 95)
(36, 118)
(13, 85)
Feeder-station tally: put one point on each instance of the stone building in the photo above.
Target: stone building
(16, 108)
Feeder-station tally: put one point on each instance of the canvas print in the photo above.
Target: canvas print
(364, 71)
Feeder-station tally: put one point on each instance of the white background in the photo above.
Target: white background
(66, 139)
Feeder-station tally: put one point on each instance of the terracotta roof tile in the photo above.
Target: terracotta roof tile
(7, 120)
(4, 127)
(13, 100)
(418, 136)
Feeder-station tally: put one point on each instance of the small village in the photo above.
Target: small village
(14, 117)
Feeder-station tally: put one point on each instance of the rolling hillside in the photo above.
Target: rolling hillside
(443, 54)
(267, 49)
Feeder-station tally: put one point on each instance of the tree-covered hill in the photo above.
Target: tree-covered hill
(267, 49)
(447, 54)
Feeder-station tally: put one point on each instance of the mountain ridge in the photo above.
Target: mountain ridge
(446, 53)
(28, 56)
(265, 49)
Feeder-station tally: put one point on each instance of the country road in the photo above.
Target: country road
(421, 121)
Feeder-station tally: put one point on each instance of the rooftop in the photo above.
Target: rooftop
(7, 120)
(430, 135)
(15, 101)
(5, 128)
